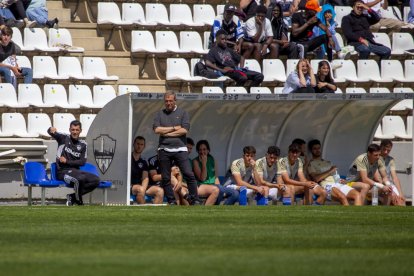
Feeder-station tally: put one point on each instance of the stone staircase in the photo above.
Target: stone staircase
(118, 62)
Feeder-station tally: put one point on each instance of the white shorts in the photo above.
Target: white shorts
(273, 193)
(345, 189)
(250, 193)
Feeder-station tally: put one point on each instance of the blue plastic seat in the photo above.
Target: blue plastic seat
(104, 185)
(35, 176)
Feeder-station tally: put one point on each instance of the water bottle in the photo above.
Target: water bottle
(375, 196)
(336, 177)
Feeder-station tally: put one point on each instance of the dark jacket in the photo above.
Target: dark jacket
(355, 26)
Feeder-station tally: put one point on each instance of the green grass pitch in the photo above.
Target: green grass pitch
(254, 240)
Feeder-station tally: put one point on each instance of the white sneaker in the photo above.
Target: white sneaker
(344, 55)
(30, 24)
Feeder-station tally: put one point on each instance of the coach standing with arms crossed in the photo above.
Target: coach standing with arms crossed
(172, 124)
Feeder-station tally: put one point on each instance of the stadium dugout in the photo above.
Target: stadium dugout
(344, 123)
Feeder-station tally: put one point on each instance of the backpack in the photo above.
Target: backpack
(202, 70)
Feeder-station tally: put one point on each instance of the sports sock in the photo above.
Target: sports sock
(286, 201)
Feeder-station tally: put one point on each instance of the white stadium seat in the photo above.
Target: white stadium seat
(103, 94)
(379, 90)
(62, 39)
(180, 14)
(194, 62)
(167, 41)
(203, 14)
(177, 69)
(236, 90)
(368, 70)
(86, 120)
(134, 13)
(383, 39)
(380, 135)
(156, 14)
(395, 125)
(260, 90)
(55, 94)
(212, 90)
(191, 42)
(38, 123)
(61, 121)
(401, 42)
(23, 61)
(94, 67)
(125, 89)
(346, 72)
(341, 11)
(15, 124)
(143, 41)
(109, 13)
(71, 68)
(291, 66)
(252, 65)
(9, 97)
(392, 69)
(409, 70)
(31, 94)
(36, 38)
(81, 95)
(18, 39)
(355, 90)
(45, 67)
(274, 70)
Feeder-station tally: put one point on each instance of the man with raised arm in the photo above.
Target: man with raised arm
(71, 155)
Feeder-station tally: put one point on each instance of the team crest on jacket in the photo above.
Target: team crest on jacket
(104, 151)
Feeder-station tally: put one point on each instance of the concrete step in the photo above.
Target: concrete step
(115, 61)
(123, 71)
(104, 54)
(89, 43)
(54, 5)
(82, 32)
(145, 85)
(78, 25)
(62, 14)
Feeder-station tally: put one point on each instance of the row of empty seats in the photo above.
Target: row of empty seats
(14, 124)
(55, 95)
(35, 39)
(156, 14)
(274, 70)
(94, 68)
(393, 127)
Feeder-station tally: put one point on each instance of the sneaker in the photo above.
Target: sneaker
(69, 201)
(172, 203)
(196, 202)
(30, 24)
(344, 55)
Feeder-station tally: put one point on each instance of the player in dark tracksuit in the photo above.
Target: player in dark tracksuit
(71, 155)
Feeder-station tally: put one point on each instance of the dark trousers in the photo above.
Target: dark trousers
(82, 182)
(307, 89)
(292, 51)
(316, 42)
(242, 76)
(180, 160)
(18, 10)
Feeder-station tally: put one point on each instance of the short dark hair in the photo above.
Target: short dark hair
(386, 142)
(353, 3)
(298, 141)
(75, 123)
(139, 138)
(7, 30)
(373, 147)
(294, 148)
(221, 32)
(261, 9)
(312, 143)
(273, 150)
(190, 141)
(249, 150)
(202, 142)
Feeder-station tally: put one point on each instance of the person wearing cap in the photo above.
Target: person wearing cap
(291, 169)
(280, 35)
(232, 25)
(227, 62)
(355, 27)
(259, 32)
(303, 23)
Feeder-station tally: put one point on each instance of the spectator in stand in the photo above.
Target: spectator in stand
(9, 68)
(280, 35)
(303, 23)
(288, 8)
(390, 23)
(37, 11)
(248, 7)
(233, 27)
(226, 62)
(259, 32)
(355, 27)
(301, 80)
(324, 80)
(18, 10)
(410, 18)
(327, 17)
